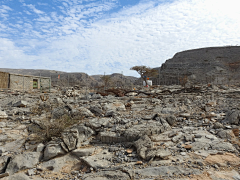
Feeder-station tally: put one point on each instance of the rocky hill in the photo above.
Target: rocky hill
(218, 65)
(61, 78)
(118, 79)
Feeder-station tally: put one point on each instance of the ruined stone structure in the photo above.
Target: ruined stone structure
(218, 65)
(23, 82)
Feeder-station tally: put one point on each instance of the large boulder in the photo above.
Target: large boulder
(82, 112)
(52, 150)
(74, 136)
(20, 104)
(142, 145)
(23, 161)
(83, 152)
(59, 112)
(233, 116)
(70, 138)
(97, 123)
(150, 128)
(96, 110)
(171, 119)
(119, 106)
(226, 134)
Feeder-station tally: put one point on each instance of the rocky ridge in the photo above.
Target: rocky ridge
(65, 79)
(162, 132)
(218, 65)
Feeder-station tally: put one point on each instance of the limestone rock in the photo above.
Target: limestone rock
(97, 123)
(97, 111)
(19, 176)
(3, 115)
(226, 134)
(14, 146)
(106, 175)
(59, 112)
(119, 106)
(98, 161)
(3, 163)
(52, 150)
(202, 63)
(162, 153)
(70, 138)
(83, 152)
(218, 125)
(20, 104)
(40, 147)
(233, 117)
(82, 111)
(58, 163)
(23, 161)
(165, 171)
(111, 137)
(171, 120)
(142, 145)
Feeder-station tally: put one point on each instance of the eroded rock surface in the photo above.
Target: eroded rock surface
(159, 132)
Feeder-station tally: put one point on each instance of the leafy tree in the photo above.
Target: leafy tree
(145, 72)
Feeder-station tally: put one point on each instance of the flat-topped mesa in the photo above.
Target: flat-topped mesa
(218, 65)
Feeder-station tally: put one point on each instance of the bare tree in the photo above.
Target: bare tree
(106, 80)
(145, 72)
(183, 80)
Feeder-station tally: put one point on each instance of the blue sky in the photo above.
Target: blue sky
(111, 36)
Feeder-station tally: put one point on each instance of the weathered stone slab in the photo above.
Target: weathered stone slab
(82, 111)
(52, 150)
(58, 163)
(111, 137)
(142, 145)
(165, 171)
(83, 152)
(70, 137)
(98, 161)
(97, 123)
(20, 104)
(14, 146)
(23, 161)
(119, 106)
(107, 175)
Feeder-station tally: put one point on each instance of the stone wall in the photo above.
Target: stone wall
(4, 80)
(23, 82)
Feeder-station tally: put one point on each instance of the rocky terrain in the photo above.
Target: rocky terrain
(218, 65)
(162, 132)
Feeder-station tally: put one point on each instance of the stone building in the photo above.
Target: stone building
(24, 82)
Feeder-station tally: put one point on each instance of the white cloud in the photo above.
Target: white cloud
(44, 18)
(145, 34)
(4, 10)
(34, 9)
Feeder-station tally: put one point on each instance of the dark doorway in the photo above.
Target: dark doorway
(35, 84)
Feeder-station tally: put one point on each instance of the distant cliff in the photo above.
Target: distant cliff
(219, 65)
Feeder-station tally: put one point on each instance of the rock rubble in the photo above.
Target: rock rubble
(160, 132)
